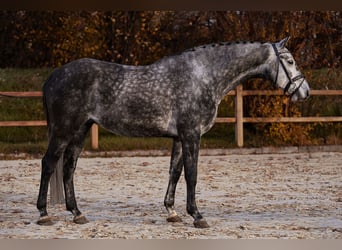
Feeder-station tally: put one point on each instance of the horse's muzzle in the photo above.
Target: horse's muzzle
(302, 93)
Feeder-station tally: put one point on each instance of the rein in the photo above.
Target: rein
(291, 81)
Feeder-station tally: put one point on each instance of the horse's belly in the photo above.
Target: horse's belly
(138, 126)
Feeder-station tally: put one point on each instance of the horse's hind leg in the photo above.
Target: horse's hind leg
(49, 162)
(176, 167)
(70, 160)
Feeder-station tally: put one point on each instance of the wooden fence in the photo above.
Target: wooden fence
(239, 119)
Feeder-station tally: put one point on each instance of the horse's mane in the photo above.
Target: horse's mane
(228, 43)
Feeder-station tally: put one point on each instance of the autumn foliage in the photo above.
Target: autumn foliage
(52, 38)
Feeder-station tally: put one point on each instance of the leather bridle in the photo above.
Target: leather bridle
(291, 81)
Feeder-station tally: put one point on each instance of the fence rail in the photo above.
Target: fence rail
(239, 119)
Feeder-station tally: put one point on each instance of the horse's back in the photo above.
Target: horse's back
(127, 100)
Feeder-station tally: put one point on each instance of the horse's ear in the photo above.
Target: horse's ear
(282, 43)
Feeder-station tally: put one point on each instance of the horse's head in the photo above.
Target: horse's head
(287, 75)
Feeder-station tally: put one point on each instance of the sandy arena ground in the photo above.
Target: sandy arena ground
(241, 196)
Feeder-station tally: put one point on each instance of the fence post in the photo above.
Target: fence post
(239, 116)
(94, 136)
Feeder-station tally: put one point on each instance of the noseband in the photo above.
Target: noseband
(291, 81)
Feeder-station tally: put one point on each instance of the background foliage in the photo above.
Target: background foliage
(52, 38)
(48, 39)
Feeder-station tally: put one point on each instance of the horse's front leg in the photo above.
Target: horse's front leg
(190, 147)
(176, 166)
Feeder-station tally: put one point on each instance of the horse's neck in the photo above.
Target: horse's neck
(239, 63)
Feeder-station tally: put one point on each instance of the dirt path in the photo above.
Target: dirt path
(241, 196)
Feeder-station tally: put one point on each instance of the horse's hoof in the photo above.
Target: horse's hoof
(80, 219)
(174, 218)
(45, 221)
(201, 223)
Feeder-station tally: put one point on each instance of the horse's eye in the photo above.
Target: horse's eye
(290, 61)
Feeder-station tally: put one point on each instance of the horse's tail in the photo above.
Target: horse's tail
(46, 111)
(56, 180)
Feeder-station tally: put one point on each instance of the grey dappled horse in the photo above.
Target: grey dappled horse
(177, 97)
